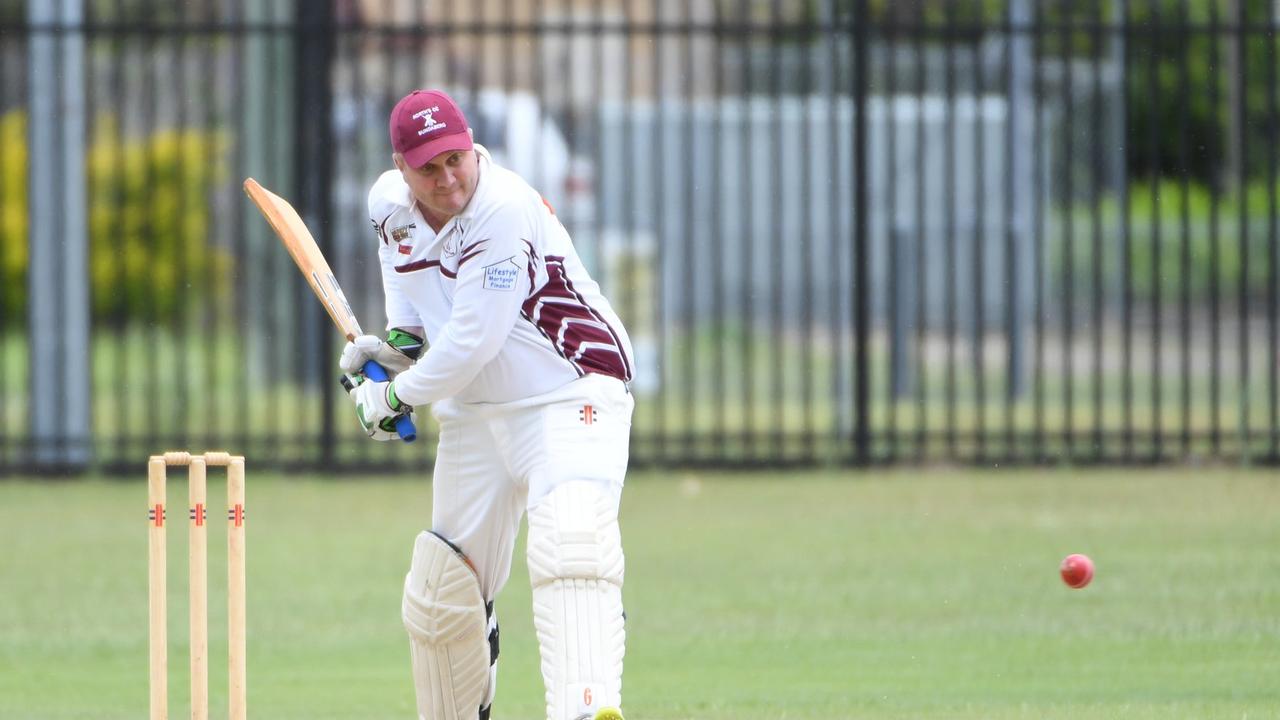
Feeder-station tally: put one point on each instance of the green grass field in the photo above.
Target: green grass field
(904, 594)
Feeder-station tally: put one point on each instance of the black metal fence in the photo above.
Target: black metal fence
(839, 231)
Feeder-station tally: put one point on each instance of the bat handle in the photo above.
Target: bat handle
(404, 425)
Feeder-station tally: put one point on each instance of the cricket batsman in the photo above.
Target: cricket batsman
(525, 368)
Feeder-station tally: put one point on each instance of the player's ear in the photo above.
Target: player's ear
(398, 159)
(471, 134)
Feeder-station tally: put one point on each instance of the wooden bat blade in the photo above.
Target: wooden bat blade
(306, 255)
(295, 237)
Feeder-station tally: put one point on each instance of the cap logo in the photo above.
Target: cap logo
(429, 123)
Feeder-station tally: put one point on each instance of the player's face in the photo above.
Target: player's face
(445, 184)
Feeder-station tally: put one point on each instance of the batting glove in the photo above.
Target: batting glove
(395, 354)
(377, 407)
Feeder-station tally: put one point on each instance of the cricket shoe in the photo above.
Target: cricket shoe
(602, 714)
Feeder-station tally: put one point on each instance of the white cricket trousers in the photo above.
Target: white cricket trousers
(498, 460)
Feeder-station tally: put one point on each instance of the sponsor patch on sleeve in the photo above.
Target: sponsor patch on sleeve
(404, 232)
(501, 275)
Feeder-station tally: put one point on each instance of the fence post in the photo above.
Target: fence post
(58, 276)
(1021, 108)
(313, 128)
(862, 294)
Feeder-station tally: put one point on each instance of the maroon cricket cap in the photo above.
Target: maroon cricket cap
(426, 123)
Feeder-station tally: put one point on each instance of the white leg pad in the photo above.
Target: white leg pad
(448, 632)
(576, 567)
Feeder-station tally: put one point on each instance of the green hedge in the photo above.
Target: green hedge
(1165, 202)
(149, 217)
(13, 216)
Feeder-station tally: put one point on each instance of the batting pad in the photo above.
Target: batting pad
(576, 568)
(448, 632)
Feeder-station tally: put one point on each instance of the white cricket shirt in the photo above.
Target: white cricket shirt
(509, 310)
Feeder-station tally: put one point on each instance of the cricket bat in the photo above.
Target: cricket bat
(307, 256)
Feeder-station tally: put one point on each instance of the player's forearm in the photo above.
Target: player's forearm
(447, 367)
(474, 335)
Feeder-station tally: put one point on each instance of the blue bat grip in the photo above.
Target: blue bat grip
(404, 425)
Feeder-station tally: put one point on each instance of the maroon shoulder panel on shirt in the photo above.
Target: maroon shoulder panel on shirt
(575, 329)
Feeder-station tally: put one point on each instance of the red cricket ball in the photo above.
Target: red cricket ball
(1077, 570)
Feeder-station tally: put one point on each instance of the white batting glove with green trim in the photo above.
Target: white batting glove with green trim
(377, 406)
(395, 354)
